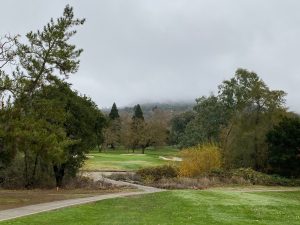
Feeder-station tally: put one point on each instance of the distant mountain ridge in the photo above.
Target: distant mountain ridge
(148, 108)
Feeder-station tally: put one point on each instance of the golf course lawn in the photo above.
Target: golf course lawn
(116, 160)
(219, 206)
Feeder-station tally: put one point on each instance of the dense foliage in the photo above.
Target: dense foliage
(153, 174)
(199, 160)
(112, 132)
(238, 119)
(114, 112)
(45, 127)
(284, 147)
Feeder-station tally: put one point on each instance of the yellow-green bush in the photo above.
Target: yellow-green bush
(199, 160)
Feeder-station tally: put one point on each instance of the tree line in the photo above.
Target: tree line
(246, 119)
(46, 128)
(136, 131)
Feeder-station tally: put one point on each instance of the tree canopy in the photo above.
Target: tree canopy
(114, 113)
(284, 147)
(45, 127)
(238, 119)
(138, 113)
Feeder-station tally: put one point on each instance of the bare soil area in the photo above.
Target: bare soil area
(18, 198)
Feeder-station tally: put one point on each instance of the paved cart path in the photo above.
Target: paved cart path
(43, 207)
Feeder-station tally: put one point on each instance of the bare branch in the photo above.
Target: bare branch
(7, 49)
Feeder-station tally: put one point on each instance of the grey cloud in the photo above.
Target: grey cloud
(136, 50)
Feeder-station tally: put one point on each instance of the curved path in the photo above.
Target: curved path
(43, 207)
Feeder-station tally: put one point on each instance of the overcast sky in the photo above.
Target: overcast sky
(170, 50)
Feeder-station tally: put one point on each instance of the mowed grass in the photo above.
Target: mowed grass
(122, 160)
(182, 207)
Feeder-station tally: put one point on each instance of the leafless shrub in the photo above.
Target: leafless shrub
(7, 49)
(128, 177)
(82, 182)
(198, 183)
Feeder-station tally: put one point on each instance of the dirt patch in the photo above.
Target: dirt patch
(18, 198)
(175, 159)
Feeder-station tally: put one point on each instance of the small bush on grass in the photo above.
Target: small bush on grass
(153, 174)
(199, 160)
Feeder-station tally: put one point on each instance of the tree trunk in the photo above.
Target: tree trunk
(99, 148)
(256, 150)
(27, 182)
(59, 172)
(34, 169)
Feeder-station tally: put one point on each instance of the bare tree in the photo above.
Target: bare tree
(7, 49)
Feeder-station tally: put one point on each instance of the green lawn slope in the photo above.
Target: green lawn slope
(119, 160)
(220, 206)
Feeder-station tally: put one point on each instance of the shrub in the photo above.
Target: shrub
(128, 177)
(255, 177)
(199, 160)
(81, 182)
(250, 176)
(217, 178)
(12, 176)
(153, 174)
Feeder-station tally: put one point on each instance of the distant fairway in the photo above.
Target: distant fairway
(116, 160)
(187, 207)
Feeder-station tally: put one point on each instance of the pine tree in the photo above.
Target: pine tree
(138, 113)
(137, 125)
(46, 59)
(114, 113)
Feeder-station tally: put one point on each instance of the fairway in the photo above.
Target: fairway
(219, 206)
(122, 160)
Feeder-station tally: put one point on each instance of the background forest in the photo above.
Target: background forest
(47, 128)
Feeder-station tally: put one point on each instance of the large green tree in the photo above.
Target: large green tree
(138, 126)
(114, 112)
(254, 109)
(36, 125)
(238, 118)
(112, 133)
(82, 126)
(284, 147)
(210, 117)
(178, 126)
(138, 113)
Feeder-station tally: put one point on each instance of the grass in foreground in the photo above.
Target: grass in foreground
(17, 198)
(119, 160)
(219, 206)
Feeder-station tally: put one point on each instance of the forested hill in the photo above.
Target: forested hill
(172, 108)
